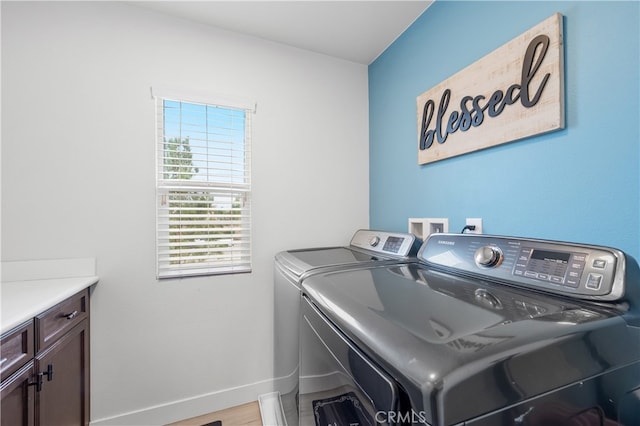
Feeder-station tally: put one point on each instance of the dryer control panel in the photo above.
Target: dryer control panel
(388, 243)
(580, 271)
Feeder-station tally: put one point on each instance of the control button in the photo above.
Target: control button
(594, 281)
(374, 241)
(557, 280)
(599, 263)
(572, 282)
(530, 274)
(488, 256)
(543, 277)
(579, 257)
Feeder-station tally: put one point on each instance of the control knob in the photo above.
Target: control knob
(488, 256)
(374, 241)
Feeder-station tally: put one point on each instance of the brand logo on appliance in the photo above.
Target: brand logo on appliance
(448, 243)
(514, 92)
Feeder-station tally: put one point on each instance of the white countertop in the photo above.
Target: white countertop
(24, 299)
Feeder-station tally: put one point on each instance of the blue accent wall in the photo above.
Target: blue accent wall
(579, 184)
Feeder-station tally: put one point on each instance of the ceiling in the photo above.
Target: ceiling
(358, 31)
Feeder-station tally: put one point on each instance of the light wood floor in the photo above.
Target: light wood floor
(242, 415)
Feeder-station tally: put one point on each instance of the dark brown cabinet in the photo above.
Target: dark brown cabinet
(18, 398)
(47, 380)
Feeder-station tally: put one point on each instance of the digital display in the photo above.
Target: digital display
(393, 244)
(549, 262)
(550, 256)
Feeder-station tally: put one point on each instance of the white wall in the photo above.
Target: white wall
(78, 180)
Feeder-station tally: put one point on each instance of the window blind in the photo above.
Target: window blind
(203, 188)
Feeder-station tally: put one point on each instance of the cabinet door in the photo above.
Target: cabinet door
(17, 406)
(64, 398)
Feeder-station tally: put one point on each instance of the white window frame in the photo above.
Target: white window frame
(178, 255)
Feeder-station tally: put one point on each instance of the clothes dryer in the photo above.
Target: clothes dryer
(292, 267)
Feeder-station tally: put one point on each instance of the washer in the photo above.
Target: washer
(483, 330)
(292, 267)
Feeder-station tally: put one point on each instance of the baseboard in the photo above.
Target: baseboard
(189, 407)
(322, 382)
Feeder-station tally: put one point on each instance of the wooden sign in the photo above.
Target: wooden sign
(514, 92)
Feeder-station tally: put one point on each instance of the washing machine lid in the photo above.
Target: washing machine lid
(451, 339)
(366, 246)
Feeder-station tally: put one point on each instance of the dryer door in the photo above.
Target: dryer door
(338, 383)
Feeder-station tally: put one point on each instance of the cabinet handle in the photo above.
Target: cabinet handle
(72, 315)
(38, 382)
(48, 373)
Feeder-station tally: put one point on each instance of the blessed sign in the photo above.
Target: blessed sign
(514, 92)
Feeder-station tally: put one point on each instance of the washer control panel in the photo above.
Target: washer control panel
(580, 271)
(388, 243)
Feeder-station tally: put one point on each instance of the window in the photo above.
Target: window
(203, 185)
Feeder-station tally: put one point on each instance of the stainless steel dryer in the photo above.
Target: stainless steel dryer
(292, 267)
(484, 330)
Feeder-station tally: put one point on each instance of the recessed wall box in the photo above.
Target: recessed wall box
(423, 227)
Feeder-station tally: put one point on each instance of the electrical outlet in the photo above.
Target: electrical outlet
(477, 222)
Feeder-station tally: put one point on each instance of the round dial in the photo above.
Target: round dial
(488, 256)
(374, 241)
